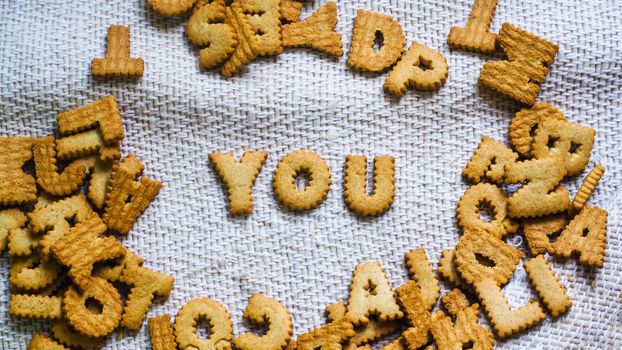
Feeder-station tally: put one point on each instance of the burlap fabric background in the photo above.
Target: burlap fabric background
(175, 115)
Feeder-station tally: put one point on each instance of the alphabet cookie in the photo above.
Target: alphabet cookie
(315, 31)
(263, 310)
(421, 67)
(291, 166)
(118, 62)
(221, 328)
(476, 36)
(355, 185)
(16, 187)
(368, 26)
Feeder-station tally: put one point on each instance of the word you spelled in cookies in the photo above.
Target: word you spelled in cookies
(62, 229)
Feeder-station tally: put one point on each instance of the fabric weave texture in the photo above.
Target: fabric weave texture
(175, 115)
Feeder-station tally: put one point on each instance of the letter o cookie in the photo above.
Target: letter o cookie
(289, 168)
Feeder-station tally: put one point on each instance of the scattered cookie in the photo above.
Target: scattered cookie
(31, 274)
(264, 17)
(587, 187)
(247, 42)
(290, 11)
(171, 7)
(103, 114)
(355, 185)
(585, 235)
(126, 199)
(476, 36)
(67, 336)
(161, 333)
(559, 138)
(284, 181)
(520, 76)
(63, 184)
(546, 284)
(207, 28)
(505, 321)
(488, 161)
(316, 31)
(42, 342)
(55, 219)
(82, 246)
(36, 306)
(541, 193)
(371, 294)
(113, 269)
(538, 232)
(421, 67)
(368, 333)
(85, 321)
(480, 256)
(467, 327)
(22, 241)
(368, 26)
(420, 270)
(239, 177)
(411, 299)
(118, 62)
(10, 219)
(443, 332)
(145, 284)
(16, 187)
(447, 269)
(85, 144)
(525, 123)
(266, 311)
(470, 206)
(327, 337)
(221, 328)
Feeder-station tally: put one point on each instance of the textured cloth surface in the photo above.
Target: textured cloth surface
(175, 115)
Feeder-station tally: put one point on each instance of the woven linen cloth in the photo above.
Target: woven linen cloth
(175, 115)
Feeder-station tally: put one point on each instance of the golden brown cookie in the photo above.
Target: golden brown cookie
(538, 230)
(247, 42)
(447, 269)
(22, 241)
(476, 36)
(55, 219)
(171, 7)
(42, 342)
(63, 184)
(36, 306)
(480, 256)
(145, 284)
(541, 193)
(85, 321)
(546, 284)
(126, 199)
(355, 185)
(10, 219)
(470, 205)
(327, 337)
(161, 333)
(16, 187)
(221, 328)
(264, 17)
(82, 246)
(284, 181)
(103, 114)
(505, 321)
(316, 31)
(30, 274)
(368, 26)
(488, 161)
(368, 333)
(85, 144)
(525, 123)
(467, 328)
(585, 235)
(443, 332)
(239, 177)
(263, 310)
(421, 67)
(420, 270)
(568, 141)
(587, 187)
(118, 62)
(290, 11)
(412, 302)
(207, 28)
(68, 336)
(520, 76)
(371, 294)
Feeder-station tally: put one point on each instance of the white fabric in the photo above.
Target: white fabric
(176, 115)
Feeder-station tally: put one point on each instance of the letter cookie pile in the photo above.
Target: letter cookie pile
(65, 262)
